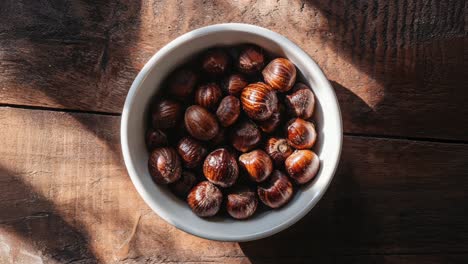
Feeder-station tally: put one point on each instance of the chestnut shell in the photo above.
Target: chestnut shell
(215, 61)
(241, 204)
(280, 74)
(259, 101)
(301, 133)
(245, 136)
(228, 111)
(164, 165)
(182, 82)
(301, 101)
(155, 138)
(191, 151)
(166, 113)
(200, 123)
(278, 149)
(257, 164)
(205, 199)
(251, 59)
(220, 167)
(277, 191)
(302, 165)
(234, 84)
(208, 95)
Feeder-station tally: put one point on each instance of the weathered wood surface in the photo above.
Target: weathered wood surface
(65, 196)
(397, 66)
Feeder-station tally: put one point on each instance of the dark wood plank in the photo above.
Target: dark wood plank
(65, 194)
(397, 67)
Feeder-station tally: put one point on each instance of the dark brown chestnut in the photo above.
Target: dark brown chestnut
(205, 199)
(245, 136)
(220, 167)
(270, 125)
(164, 165)
(166, 113)
(234, 84)
(251, 59)
(301, 102)
(301, 133)
(278, 149)
(208, 95)
(241, 204)
(257, 164)
(259, 101)
(191, 151)
(183, 186)
(215, 61)
(302, 165)
(182, 82)
(277, 191)
(228, 111)
(155, 138)
(280, 74)
(200, 123)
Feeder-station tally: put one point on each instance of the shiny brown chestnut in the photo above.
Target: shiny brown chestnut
(200, 123)
(301, 102)
(302, 165)
(205, 199)
(241, 204)
(208, 95)
(259, 101)
(245, 136)
(251, 59)
(220, 167)
(278, 149)
(228, 111)
(280, 74)
(257, 164)
(234, 84)
(301, 133)
(191, 151)
(277, 191)
(215, 61)
(166, 113)
(164, 165)
(183, 186)
(155, 138)
(182, 82)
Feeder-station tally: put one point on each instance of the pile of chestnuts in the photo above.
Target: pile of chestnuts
(232, 127)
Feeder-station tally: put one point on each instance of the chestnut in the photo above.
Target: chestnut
(156, 138)
(200, 123)
(259, 101)
(241, 204)
(220, 138)
(182, 82)
(183, 186)
(205, 199)
(164, 165)
(220, 167)
(280, 74)
(301, 133)
(301, 102)
(215, 61)
(251, 59)
(228, 111)
(245, 136)
(234, 84)
(277, 191)
(191, 151)
(208, 95)
(166, 113)
(257, 164)
(278, 149)
(269, 125)
(302, 165)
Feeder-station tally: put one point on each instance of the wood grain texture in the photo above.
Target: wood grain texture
(65, 196)
(397, 67)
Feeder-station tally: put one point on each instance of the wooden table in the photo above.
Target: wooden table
(398, 68)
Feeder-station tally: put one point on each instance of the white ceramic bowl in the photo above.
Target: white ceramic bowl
(175, 211)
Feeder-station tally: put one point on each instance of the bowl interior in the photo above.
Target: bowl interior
(176, 211)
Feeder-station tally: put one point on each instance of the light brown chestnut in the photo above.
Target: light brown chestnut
(155, 138)
(215, 61)
(278, 149)
(200, 123)
(166, 113)
(164, 165)
(245, 136)
(220, 167)
(182, 82)
(205, 199)
(228, 111)
(241, 204)
(301, 133)
(301, 101)
(302, 165)
(280, 74)
(191, 151)
(277, 191)
(183, 186)
(208, 95)
(234, 84)
(251, 59)
(257, 164)
(259, 101)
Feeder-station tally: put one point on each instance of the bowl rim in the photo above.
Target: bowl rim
(143, 74)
